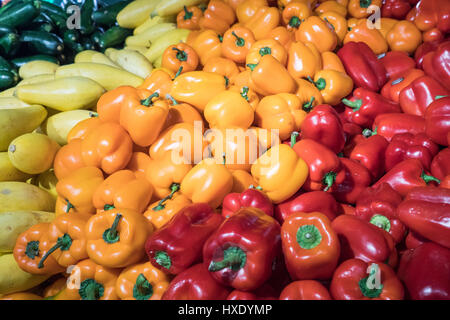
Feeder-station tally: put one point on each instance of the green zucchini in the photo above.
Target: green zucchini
(5, 30)
(9, 44)
(96, 35)
(52, 9)
(7, 79)
(87, 43)
(18, 62)
(113, 36)
(9, 5)
(86, 24)
(5, 65)
(71, 40)
(106, 16)
(20, 14)
(42, 42)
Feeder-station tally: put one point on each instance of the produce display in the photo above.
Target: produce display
(225, 150)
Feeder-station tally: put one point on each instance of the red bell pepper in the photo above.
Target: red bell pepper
(396, 63)
(362, 65)
(370, 153)
(437, 121)
(347, 209)
(391, 90)
(416, 97)
(195, 283)
(361, 239)
(305, 290)
(429, 14)
(265, 292)
(413, 240)
(355, 279)
(314, 201)
(440, 166)
(249, 198)
(325, 169)
(426, 211)
(365, 105)
(436, 65)
(357, 178)
(445, 183)
(311, 247)
(396, 9)
(178, 245)
(324, 125)
(241, 252)
(407, 175)
(390, 124)
(425, 272)
(409, 146)
(378, 205)
(425, 49)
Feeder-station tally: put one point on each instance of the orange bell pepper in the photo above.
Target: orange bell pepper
(223, 66)
(31, 246)
(269, 76)
(207, 182)
(197, 88)
(123, 190)
(75, 191)
(160, 80)
(96, 282)
(138, 164)
(280, 172)
(115, 238)
(294, 14)
(242, 79)
(304, 60)
(331, 6)
(263, 21)
(55, 287)
(282, 112)
(108, 106)
(309, 95)
(181, 112)
(207, 44)
(359, 8)
(218, 16)
(180, 58)
(404, 36)
(228, 109)
(247, 9)
(236, 43)
(266, 139)
(161, 212)
(142, 282)
(333, 85)
(267, 46)
(372, 37)
(21, 296)
(165, 176)
(386, 25)
(319, 32)
(234, 3)
(331, 61)
(283, 36)
(84, 127)
(391, 90)
(143, 116)
(242, 180)
(337, 22)
(68, 159)
(108, 147)
(67, 241)
(189, 18)
(248, 94)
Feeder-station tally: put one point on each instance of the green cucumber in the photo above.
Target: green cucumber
(106, 16)
(9, 44)
(20, 15)
(7, 79)
(18, 62)
(42, 42)
(86, 24)
(113, 36)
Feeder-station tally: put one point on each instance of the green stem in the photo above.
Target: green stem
(265, 51)
(227, 81)
(180, 69)
(294, 22)
(174, 187)
(163, 259)
(328, 180)
(320, 84)
(427, 178)
(181, 55)
(240, 42)
(220, 38)
(368, 133)
(111, 235)
(308, 105)
(397, 81)
(143, 289)
(107, 207)
(148, 102)
(308, 236)
(187, 14)
(294, 136)
(370, 293)
(244, 93)
(91, 290)
(381, 222)
(233, 258)
(32, 249)
(252, 66)
(355, 105)
(365, 3)
(169, 97)
(439, 97)
(62, 243)
(69, 206)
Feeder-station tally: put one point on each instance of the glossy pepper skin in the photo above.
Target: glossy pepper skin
(317, 31)
(160, 213)
(436, 63)
(429, 14)
(426, 211)
(305, 290)
(370, 153)
(116, 237)
(294, 13)
(304, 60)
(391, 90)
(195, 283)
(360, 32)
(226, 67)
(207, 44)
(67, 159)
(189, 18)
(416, 97)
(362, 65)
(397, 9)
(217, 16)
(266, 46)
(437, 121)
(426, 281)
(324, 126)
(76, 190)
(311, 247)
(249, 198)
(333, 85)
(109, 104)
(406, 175)
(409, 146)
(263, 21)
(179, 56)
(440, 166)
(360, 239)
(236, 43)
(241, 251)
(404, 36)
(357, 178)
(355, 279)
(265, 292)
(324, 165)
(169, 249)
(358, 9)
(378, 205)
(365, 105)
(390, 124)
(396, 62)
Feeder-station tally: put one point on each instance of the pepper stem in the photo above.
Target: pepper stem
(187, 14)
(381, 222)
(265, 51)
(91, 290)
(174, 187)
(107, 207)
(355, 105)
(252, 66)
(69, 206)
(181, 55)
(364, 284)
(169, 97)
(62, 243)
(163, 259)
(244, 93)
(365, 3)
(240, 42)
(368, 133)
(32, 249)
(320, 84)
(143, 289)
(233, 258)
(111, 235)
(294, 22)
(180, 69)
(308, 236)
(328, 180)
(148, 102)
(294, 136)
(427, 178)
(308, 105)
(439, 97)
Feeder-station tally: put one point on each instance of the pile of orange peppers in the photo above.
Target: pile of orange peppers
(336, 215)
